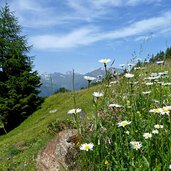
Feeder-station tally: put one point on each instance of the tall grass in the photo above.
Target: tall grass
(131, 125)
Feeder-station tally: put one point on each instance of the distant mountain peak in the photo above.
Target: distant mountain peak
(57, 80)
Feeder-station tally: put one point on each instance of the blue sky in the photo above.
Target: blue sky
(75, 34)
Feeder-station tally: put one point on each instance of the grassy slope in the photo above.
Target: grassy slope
(19, 148)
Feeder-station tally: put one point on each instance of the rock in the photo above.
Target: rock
(59, 153)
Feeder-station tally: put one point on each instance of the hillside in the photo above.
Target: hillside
(19, 148)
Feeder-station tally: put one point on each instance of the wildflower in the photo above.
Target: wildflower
(133, 83)
(147, 135)
(128, 75)
(166, 84)
(74, 111)
(157, 126)
(170, 166)
(88, 78)
(115, 105)
(157, 110)
(127, 132)
(97, 94)
(161, 83)
(154, 74)
(136, 145)
(137, 68)
(155, 131)
(148, 83)
(87, 147)
(123, 123)
(153, 78)
(163, 73)
(104, 61)
(113, 82)
(159, 62)
(155, 101)
(53, 111)
(167, 107)
(106, 162)
(165, 76)
(164, 111)
(146, 92)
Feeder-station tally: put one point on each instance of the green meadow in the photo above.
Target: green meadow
(126, 124)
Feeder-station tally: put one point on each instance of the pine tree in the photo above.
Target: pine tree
(168, 53)
(18, 83)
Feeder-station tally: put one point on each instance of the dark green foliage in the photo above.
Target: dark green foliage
(168, 53)
(18, 83)
(161, 55)
(58, 125)
(61, 90)
(158, 56)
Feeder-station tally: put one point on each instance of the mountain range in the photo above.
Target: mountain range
(53, 81)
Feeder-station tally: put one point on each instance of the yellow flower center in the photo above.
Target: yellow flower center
(165, 110)
(87, 147)
(136, 146)
(157, 126)
(106, 162)
(124, 123)
(156, 110)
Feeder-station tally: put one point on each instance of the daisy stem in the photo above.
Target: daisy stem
(170, 138)
(96, 115)
(73, 85)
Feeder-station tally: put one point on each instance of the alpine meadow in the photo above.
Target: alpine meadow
(120, 121)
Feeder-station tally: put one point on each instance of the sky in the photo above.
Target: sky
(75, 34)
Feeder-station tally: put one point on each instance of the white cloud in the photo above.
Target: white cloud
(85, 10)
(26, 5)
(137, 2)
(144, 38)
(37, 14)
(41, 13)
(118, 3)
(86, 36)
(153, 24)
(73, 39)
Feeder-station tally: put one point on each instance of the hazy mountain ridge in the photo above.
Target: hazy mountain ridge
(52, 82)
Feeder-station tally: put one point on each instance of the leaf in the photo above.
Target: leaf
(146, 162)
(157, 168)
(1, 124)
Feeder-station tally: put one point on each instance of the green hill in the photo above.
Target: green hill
(20, 147)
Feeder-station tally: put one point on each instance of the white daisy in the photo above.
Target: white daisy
(104, 61)
(88, 78)
(115, 105)
(155, 131)
(87, 147)
(136, 145)
(147, 135)
(123, 123)
(128, 75)
(98, 94)
(74, 111)
(157, 126)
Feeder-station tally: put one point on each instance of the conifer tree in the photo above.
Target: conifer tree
(18, 83)
(168, 53)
